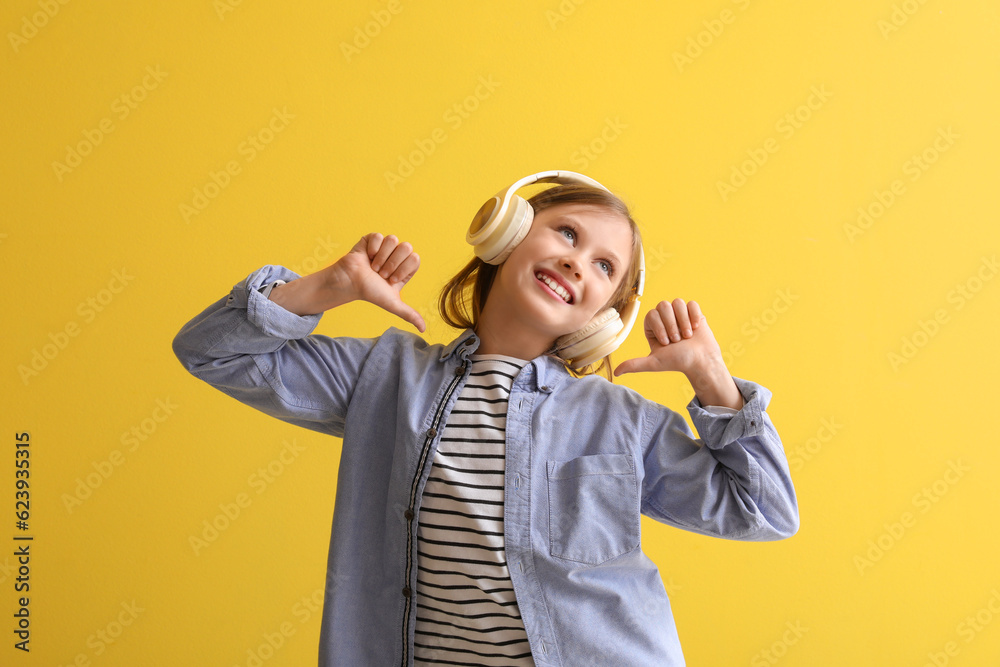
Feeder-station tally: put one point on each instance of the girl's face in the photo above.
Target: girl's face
(564, 272)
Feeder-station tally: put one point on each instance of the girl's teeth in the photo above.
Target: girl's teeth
(554, 286)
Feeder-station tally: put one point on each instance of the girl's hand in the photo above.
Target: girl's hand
(376, 269)
(679, 340)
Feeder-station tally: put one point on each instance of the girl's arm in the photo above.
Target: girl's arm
(261, 352)
(732, 482)
(735, 481)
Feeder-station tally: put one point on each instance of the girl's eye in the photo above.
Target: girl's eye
(568, 233)
(606, 267)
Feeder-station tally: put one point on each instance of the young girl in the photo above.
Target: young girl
(489, 492)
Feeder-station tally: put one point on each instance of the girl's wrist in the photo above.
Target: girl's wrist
(714, 385)
(311, 294)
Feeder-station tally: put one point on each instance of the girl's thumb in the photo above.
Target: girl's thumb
(409, 314)
(640, 365)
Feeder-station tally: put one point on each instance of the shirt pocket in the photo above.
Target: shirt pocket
(593, 507)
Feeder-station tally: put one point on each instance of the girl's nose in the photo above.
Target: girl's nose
(572, 265)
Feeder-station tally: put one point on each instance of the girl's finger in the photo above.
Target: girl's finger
(694, 311)
(681, 313)
(414, 318)
(398, 255)
(405, 270)
(640, 365)
(368, 244)
(655, 329)
(389, 244)
(669, 320)
(408, 313)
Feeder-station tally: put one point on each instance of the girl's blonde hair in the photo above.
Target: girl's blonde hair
(462, 299)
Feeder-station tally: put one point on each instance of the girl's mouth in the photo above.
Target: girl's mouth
(554, 287)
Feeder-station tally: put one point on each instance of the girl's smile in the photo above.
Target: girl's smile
(555, 286)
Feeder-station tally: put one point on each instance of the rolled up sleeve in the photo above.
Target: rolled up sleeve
(266, 357)
(732, 482)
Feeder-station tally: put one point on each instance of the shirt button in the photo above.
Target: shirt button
(470, 341)
(408, 514)
(406, 591)
(544, 387)
(460, 370)
(431, 432)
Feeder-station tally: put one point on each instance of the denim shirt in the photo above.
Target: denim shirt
(584, 458)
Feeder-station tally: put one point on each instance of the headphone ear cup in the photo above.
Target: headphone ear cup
(593, 341)
(495, 238)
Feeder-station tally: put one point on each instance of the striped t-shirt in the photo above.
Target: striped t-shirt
(466, 610)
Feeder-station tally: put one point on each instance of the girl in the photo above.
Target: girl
(489, 492)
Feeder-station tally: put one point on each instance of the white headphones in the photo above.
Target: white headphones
(503, 222)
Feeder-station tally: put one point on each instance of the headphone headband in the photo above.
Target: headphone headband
(552, 177)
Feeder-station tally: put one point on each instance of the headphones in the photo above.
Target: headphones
(503, 222)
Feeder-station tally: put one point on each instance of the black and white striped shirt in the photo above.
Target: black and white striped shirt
(466, 610)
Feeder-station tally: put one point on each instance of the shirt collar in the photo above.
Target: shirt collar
(467, 339)
(544, 372)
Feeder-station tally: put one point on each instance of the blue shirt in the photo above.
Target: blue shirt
(584, 458)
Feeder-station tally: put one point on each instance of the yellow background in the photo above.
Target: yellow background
(865, 435)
